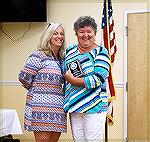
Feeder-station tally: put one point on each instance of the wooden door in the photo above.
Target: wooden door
(138, 76)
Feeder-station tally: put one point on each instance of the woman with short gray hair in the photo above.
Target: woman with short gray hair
(87, 68)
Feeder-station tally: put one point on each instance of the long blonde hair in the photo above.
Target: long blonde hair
(45, 45)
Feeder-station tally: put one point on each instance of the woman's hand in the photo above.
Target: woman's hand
(69, 76)
(73, 80)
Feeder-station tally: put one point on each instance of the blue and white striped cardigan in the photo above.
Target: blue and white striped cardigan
(95, 67)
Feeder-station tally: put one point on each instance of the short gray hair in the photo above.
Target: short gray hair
(85, 21)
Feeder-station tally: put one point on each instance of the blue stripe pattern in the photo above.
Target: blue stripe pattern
(95, 68)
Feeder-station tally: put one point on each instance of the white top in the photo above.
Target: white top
(9, 122)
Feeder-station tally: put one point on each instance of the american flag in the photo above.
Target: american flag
(109, 42)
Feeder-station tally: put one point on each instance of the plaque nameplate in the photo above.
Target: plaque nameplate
(75, 68)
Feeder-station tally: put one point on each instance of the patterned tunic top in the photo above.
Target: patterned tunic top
(95, 69)
(42, 77)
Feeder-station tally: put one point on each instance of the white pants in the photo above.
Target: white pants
(88, 127)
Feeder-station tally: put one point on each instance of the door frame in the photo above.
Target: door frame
(125, 85)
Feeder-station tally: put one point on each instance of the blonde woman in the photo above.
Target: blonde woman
(43, 77)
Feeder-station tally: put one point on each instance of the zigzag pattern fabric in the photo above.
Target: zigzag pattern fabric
(43, 79)
(95, 70)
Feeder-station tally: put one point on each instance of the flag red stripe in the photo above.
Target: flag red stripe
(111, 28)
(111, 84)
(113, 55)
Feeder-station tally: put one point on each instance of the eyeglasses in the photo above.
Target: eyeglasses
(48, 26)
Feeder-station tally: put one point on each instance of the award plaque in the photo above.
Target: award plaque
(75, 68)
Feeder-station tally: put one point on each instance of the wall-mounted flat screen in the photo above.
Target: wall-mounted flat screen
(23, 11)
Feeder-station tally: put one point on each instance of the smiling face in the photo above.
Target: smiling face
(86, 36)
(57, 38)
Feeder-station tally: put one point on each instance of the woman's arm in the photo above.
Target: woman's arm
(29, 71)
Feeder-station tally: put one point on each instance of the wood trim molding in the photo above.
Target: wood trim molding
(16, 83)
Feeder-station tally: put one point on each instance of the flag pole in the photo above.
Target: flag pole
(108, 27)
(108, 36)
